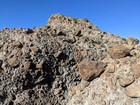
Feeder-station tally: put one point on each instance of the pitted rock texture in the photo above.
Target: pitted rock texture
(69, 61)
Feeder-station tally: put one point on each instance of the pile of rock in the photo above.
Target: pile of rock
(68, 61)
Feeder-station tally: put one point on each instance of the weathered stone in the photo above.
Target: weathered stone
(136, 69)
(73, 90)
(83, 85)
(26, 65)
(129, 102)
(133, 90)
(89, 70)
(109, 69)
(119, 51)
(19, 53)
(16, 52)
(133, 53)
(17, 44)
(34, 49)
(56, 91)
(13, 61)
(57, 54)
(132, 42)
(42, 65)
(39, 65)
(125, 81)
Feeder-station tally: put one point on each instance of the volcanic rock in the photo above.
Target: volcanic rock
(125, 81)
(13, 61)
(132, 42)
(136, 69)
(69, 61)
(89, 70)
(118, 51)
(133, 90)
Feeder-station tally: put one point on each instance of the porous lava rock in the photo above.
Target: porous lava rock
(69, 61)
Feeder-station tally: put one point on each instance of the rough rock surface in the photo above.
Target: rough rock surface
(89, 70)
(44, 66)
(119, 51)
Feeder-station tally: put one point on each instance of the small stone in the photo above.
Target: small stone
(17, 44)
(119, 51)
(136, 69)
(57, 54)
(109, 69)
(83, 85)
(61, 55)
(1, 55)
(26, 65)
(13, 61)
(128, 102)
(34, 49)
(39, 65)
(132, 42)
(11, 97)
(39, 80)
(25, 49)
(133, 53)
(56, 91)
(133, 90)
(125, 81)
(19, 53)
(89, 70)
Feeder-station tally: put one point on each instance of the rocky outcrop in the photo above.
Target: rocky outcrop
(69, 61)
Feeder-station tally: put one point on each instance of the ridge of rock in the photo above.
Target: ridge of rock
(69, 61)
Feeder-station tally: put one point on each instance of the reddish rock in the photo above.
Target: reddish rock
(125, 81)
(136, 69)
(119, 51)
(89, 70)
(17, 44)
(13, 61)
(26, 65)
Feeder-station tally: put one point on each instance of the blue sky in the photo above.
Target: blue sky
(120, 17)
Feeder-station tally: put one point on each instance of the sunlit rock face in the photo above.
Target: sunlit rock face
(69, 61)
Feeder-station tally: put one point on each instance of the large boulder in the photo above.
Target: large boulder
(89, 70)
(118, 51)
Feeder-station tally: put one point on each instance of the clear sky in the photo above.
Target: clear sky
(120, 17)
